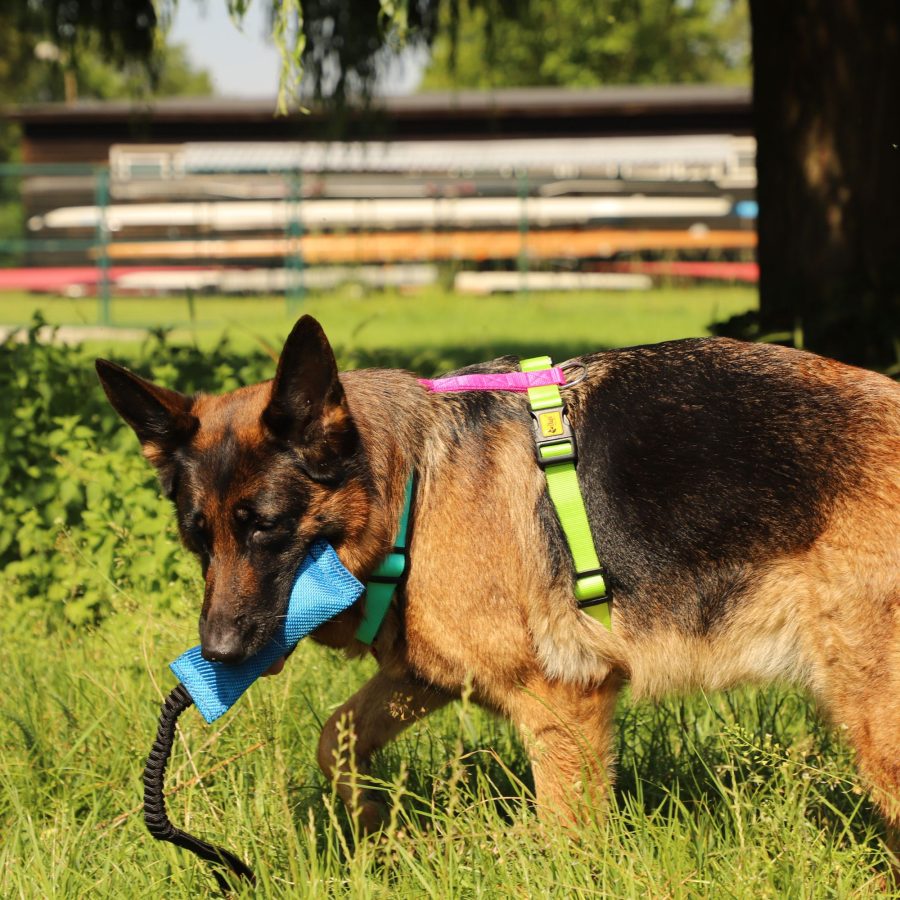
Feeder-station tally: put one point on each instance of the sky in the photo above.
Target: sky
(244, 62)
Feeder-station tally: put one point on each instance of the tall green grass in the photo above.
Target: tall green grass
(738, 796)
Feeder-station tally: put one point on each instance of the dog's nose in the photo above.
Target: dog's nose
(221, 642)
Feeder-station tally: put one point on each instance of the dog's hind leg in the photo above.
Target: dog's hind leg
(853, 634)
(382, 708)
(869, 713)
(872, 718)
(857, 678)
(568, 730)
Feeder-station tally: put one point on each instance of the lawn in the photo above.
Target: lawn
(730, 796)
(739, 795)
(431, 320)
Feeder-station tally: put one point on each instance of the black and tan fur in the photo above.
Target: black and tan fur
(745, 500)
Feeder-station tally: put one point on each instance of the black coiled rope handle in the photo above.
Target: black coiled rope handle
(155, 816)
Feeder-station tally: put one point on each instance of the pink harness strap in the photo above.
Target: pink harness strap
(495, 381)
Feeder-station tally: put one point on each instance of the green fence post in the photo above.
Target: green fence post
(294, 290)
(524, 189)
(101, 200)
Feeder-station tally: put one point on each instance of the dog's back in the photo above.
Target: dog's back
(705, 461)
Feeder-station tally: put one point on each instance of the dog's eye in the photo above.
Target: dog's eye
(268, 532)
(259, 525)
(198, 535)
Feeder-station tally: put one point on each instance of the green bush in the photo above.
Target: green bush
(82, 524)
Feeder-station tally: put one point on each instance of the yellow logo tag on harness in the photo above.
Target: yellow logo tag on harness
(550, 423)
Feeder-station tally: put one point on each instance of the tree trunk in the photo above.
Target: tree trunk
(826, 85)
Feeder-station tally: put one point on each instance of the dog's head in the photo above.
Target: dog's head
(256, 475)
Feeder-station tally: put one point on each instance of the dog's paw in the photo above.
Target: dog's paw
(372, 816)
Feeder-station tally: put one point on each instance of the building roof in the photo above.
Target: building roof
(538, 101)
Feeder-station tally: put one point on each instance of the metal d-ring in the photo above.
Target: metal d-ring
(573, 364)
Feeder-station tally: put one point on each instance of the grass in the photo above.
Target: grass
(739, 795)
(432, 320)
(729, 796)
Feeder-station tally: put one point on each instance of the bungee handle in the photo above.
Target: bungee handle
(155, 816)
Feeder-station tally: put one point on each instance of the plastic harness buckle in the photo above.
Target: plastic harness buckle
(553, 437)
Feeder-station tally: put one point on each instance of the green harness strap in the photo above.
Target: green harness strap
(556, 455)
(384, 580)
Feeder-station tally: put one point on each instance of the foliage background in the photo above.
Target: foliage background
(572, 44)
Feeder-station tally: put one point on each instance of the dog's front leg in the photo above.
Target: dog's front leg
(382, 708)
(568, 731)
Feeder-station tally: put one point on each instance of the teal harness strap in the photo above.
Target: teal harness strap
(383, 582)
(557, 454)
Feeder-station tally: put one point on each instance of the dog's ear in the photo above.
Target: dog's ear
(161, 418)
(308, 407)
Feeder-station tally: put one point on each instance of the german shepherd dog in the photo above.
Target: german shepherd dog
(744, 500)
